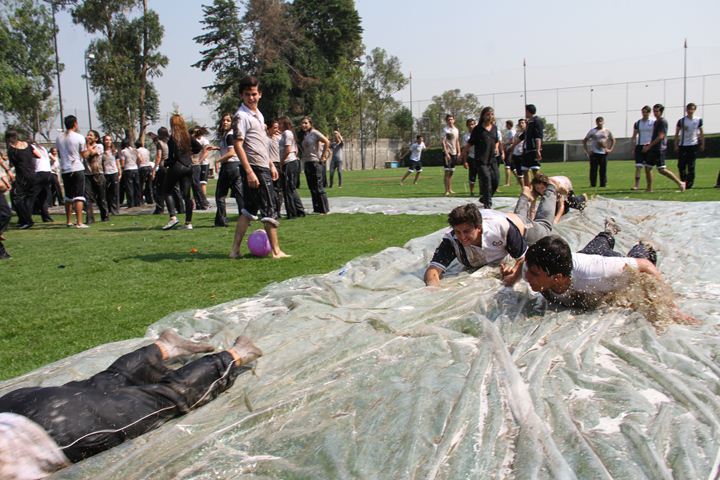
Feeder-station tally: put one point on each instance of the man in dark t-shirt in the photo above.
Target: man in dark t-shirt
(532, 146)
(656, 150)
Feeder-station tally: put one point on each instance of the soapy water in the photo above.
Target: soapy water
(369, 374)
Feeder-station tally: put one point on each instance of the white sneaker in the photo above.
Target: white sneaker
(82, 225)
(171, 224)
(187, 226)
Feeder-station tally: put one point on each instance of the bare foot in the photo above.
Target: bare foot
(173, 345)
(234, 254)
(649, 190)
(635, 187)
(452, 193)
(683, 186)
(281, 254)
(244, 351)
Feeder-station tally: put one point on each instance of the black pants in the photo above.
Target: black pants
(603, 245)
(136, 394)
(5, 214)
(112, 192)
(598, 161)
(179, 175)
(686, 164)
(23, 195)
(229, 180)
(488, 179)
(314, 178)
(95, 195)
(159, 185)
(201, 202)
(293, 205)
(43, 193)
(131, 184)
(279, 187)
(145, 174)
(57, 191)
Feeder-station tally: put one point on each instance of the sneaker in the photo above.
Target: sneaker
(70, 225)
(611, 226)
(577, 201)
(171, 224)
(25, 226)
(82, 225)
(187, 226)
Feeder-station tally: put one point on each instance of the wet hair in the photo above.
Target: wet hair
(691, 105)
(70, 121)
(485, 111)
(163, 134)
(540, 179)
(509, 124)
(285, 123)
(530, 108)
(11, 136)
(179, 133)
(96, 134)
(646, 108)
(468, 213)
(659, 106)
(249, 82)
(550, 254)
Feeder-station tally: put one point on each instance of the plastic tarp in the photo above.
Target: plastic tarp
(369, 374)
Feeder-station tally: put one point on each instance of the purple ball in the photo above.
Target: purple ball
(259, 243)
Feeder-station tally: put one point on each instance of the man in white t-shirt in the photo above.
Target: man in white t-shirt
(689, 137)
(73, 151)
(642, 135)
(602, 143)
(585, 279)
(415, 165)
(451, 149)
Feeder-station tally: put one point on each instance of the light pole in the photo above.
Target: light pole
(591, 107)
(87, 88)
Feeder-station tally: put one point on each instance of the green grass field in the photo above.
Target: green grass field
(67, 290)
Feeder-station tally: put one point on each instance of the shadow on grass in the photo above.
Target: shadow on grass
(182, 256)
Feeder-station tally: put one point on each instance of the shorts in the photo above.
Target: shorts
(530, 161)
(74, 185)
(415, 166)
(449, 165)
(655, 158)
(517, 165)
(507, 161)
(472, 170)
(640, 157)
(260, 201)
(204, 169)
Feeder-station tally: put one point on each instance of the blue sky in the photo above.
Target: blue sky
(479, 47)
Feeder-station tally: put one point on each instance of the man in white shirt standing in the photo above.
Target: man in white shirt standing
(252, 150)
(451, 149)
(689, 136)
(602, 143)
(416, 149)
(642, 135)
(72, 151)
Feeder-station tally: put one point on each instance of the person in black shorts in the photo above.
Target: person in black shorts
(656, 150)
(532, 144)
(451, 149)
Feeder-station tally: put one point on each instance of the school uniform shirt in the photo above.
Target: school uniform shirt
(274, 148)
(204, 154)
(689, 131)
(465, 138)
(143, 157)
(42, 164)
(109, 163)
(500, 237)
(287, 139)
(645, 130)
(593, 276)
(660, 126)
(451, 135)
(533, 131)
(227, 143)
(129, 156)
(599, 137)
(249, 126)
(508, 137)
(93, 163)
(416, 150)
(519, 149)
(69, 146)
(311, 149)
(563, 185)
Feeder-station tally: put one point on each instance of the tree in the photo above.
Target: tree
(27, 66)
(121, 63)
(400, 124)
(549, 131)
(382, 80)
(451, 101)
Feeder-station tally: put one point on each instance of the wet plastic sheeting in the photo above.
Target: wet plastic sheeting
(367, 374)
